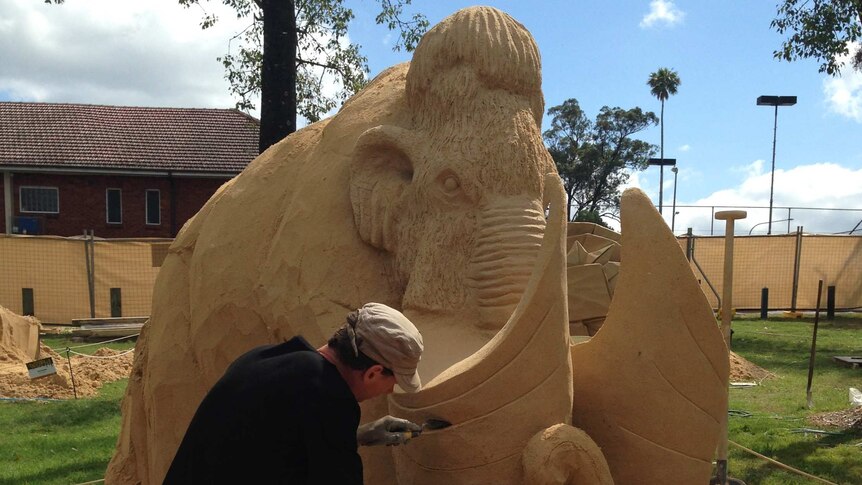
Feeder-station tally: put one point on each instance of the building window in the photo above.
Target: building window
(45, 200)
(114, 206)
(154, 207)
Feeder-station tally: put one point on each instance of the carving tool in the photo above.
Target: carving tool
(431, 425)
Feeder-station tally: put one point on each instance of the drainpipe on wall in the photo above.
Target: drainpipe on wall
(173, 200)
(7, 200)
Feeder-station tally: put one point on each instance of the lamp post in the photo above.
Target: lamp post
(673, 217)
(775, 101)
(661, 162)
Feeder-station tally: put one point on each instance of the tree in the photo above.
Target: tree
(820, 29)
(663, 84)
(288, 48)
(593, 157)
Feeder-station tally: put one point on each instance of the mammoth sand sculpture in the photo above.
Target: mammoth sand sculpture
(428, 192)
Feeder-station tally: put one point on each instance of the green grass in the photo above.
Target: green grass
(778, 407)
(59, 442)
(71, 442)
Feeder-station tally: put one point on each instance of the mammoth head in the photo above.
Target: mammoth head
(454, 191)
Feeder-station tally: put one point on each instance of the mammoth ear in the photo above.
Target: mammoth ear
(380, 171)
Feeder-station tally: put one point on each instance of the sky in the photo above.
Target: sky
(153, 53)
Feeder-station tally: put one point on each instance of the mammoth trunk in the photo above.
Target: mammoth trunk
(508, 241)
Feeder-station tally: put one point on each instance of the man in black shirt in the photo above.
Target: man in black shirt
(289, 414)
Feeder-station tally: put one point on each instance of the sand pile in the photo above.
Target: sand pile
(19, 337)
(106, 365)
(743, 370)
(844, 419)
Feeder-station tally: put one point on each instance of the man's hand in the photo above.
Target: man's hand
(387, 431)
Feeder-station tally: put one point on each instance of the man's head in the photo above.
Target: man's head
(383, 346)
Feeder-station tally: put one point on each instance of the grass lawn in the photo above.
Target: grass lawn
(61, 442)
(70, 442)
(776, 410)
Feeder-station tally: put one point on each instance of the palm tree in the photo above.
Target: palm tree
(663, 84)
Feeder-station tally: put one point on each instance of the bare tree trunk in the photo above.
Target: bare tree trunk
(278, 72)
(661, 167)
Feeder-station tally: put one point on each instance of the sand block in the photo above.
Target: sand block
(574, 228)
(611, 269)
(590, 242)
(609, 253)
(577, 255)
(588, 292)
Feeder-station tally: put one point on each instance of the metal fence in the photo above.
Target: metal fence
(785, 220)
(60, 279)
(788, 265)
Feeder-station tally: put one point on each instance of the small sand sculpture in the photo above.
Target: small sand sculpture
(19, 337)
(428, 192)
(19, 344)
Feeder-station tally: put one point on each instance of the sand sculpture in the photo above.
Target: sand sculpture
(651, 386)
(593, 263)
(19, 344)
(428, 191)
(19, 337)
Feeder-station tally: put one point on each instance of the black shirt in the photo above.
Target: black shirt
(280, 414)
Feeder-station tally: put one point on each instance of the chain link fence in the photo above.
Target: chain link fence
(788, 265)
(58, 279)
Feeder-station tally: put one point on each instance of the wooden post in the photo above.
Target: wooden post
(90, 289)
(726, 315)
(796, 262)
(813, 346)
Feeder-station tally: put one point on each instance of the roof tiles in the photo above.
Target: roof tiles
(80, 136)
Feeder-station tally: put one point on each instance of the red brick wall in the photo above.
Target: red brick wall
(83, 203)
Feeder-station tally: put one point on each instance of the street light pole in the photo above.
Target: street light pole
(775, 101)
(673, 216)
(661, 162)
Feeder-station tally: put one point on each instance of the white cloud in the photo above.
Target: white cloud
(844, 92)
(146, 52)
(819, 185)
(662, 13)
(684, 148)
(753, 169)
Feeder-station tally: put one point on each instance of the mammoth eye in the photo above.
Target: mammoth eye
(450, 183)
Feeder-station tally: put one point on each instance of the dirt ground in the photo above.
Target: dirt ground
(844, 419)
(90, 373)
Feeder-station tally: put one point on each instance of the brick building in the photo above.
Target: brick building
(121, 171)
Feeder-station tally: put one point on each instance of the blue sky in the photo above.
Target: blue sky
(599, 52)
